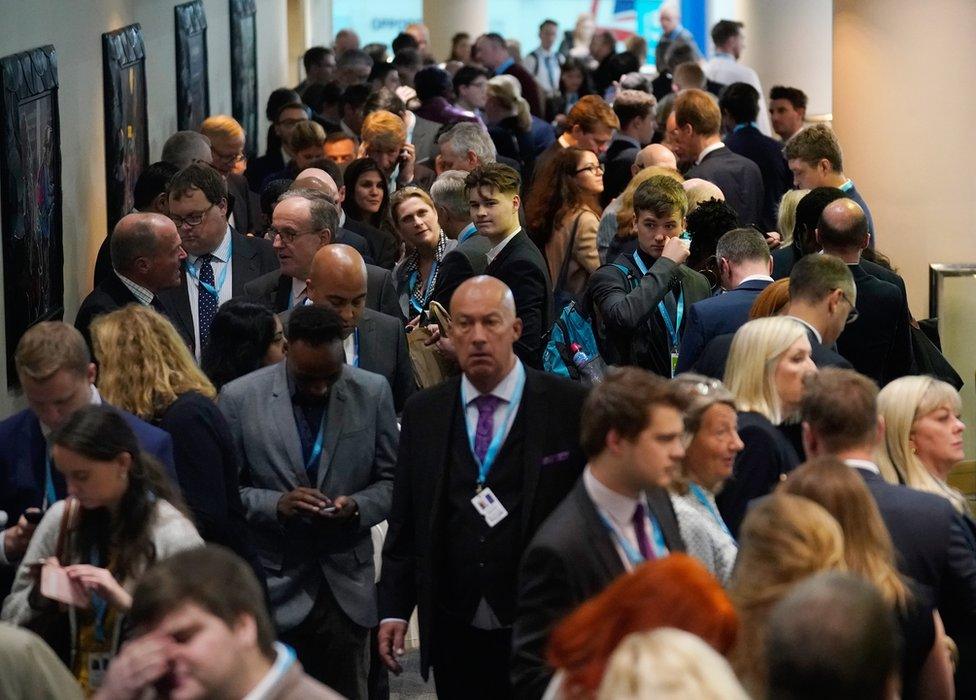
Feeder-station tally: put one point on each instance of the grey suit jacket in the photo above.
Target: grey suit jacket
(358, 458)
(424, 133)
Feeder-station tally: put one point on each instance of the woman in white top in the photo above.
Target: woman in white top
(712, 444)
(122, 515)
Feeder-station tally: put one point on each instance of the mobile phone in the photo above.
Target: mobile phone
(328, 509)
(33, 515)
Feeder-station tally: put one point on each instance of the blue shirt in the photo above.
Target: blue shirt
(505, 65)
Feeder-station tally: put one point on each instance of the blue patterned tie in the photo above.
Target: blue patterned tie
(207, 302)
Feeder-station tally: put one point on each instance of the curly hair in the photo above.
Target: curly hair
(556, 194)
(707, 223)
(144, 365)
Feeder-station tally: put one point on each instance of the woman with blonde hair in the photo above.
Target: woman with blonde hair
(784, 540)
(712, 442)
(510, 122)
(668, 664)
(786, 214)
(868, 552)
(145, 368)
(768, 361)
(923, 436)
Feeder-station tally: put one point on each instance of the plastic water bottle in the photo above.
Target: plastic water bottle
(593, 370)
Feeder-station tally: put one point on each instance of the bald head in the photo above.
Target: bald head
(186, 147)
(484, 329)
(843, 227)
(145, 248)
(655, 154)
(318, 180)
(486, 291)
(699, 191)
(337, 279)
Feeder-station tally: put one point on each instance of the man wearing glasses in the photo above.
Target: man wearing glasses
(227, 140)
(219, 262)
(876, 341)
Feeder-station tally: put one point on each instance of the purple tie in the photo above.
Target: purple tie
(486, 405)
(642, 543)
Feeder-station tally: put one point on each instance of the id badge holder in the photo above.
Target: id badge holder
(674, 362)
(489, 507)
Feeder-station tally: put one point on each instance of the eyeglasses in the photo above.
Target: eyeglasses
(591, 168)
(854, 313)
(227, 158)
(191, 220)
(286, 236)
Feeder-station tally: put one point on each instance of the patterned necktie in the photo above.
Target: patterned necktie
(486, 406)
(642, 542)
(207, 300)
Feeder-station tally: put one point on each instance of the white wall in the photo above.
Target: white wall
(74, 28)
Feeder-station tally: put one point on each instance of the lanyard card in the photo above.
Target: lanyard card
(489, 507)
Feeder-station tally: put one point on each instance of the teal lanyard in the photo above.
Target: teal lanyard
(313, 459)
(50, 495)
(846, 187)
(496, 442)
(99, 604)
(633, 554)
(413, 280)
(739, 127)
(699, 493)
(215, 291)
(672, 326)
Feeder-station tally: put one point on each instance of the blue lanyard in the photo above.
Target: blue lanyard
(313, 459)
(50, 495)
(412, 284)
(739, 127)
(699, 493)
(215, 291)
(355, 360)
(496, 442)
(99, 604)
(846, 187)
(633, 555)
(672, 327)
(469, 231)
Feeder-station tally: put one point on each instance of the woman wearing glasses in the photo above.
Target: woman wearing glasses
(563, 215)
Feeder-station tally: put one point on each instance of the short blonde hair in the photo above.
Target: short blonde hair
(384, 129)
(901, 403)
(786, 214)
(625, 215)
(222, 126)
(669, 664)
(47, 348)
(756, 348)
(405, 193)
(144, 365)
(306, 134)
(508, 92)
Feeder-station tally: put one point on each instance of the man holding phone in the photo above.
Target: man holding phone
(385, 141)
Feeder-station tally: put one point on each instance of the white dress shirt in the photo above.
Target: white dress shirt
(221, 259)
(505, 391)
(349, 346)
(724, 69)
(297, 289)
(807, 325)
(619, 510)
(541, 72)
(708, 149)
(495, 250)
(284, 659)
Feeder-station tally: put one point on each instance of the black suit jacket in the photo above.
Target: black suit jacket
(383, 350)
(354, 240)
(877, 343)
(766, 153)
(552, 462)
(784, 259)
(465, 261)
(243, 204)
(521, 266)
(616, 172)
(250, 258)
(274, 291)
(712, 360)
(112, 294)
(738, 178)
(382, 245)
(570, 559)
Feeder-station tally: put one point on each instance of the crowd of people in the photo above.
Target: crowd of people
(599, 375)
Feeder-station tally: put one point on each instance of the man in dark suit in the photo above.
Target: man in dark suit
(494, 55)
(840, 419)
(58, 378)
(372, 341)
(694, 127)
(822, 297)
(146, 257)
(286, 119)
(304, 221)
(514, 259)
(808, 211)
(877, 342)
(220, 261)
(635, 110)
(468, 259)
(611, 65)
(739, 104)
(617, 516)
(227, 141)
(484, 458)
(642, 297)
(744, 266)
(316, 444)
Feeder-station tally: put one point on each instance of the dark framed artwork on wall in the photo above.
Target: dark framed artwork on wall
(192, 81)
(30, 194)
(126, 117)
(244, 71)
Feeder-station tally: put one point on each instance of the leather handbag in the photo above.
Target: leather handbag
(430, 367)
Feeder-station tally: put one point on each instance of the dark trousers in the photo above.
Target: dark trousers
(332, 648)
(470, 663)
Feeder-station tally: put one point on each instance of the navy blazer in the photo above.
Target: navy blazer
(738, 178)
(767, 154)
(712, 360)
(715, 316)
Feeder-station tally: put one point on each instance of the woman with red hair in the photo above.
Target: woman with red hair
(675, 591)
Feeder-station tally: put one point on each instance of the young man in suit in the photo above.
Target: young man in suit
(285, 120)
(372, 341)
(617, 516)
(635, 110)
(484, 458)
(840, 418)
(693, 128)
(201, 629)
(513, 258)
(739, 104)
(220, 261)
(543, 63)
(744, 266)
(643, 297)
(589, 125)
(787, 111)
(147, 255)
(316, 443)
(494, 55)
(58, 378)
(815, 159)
